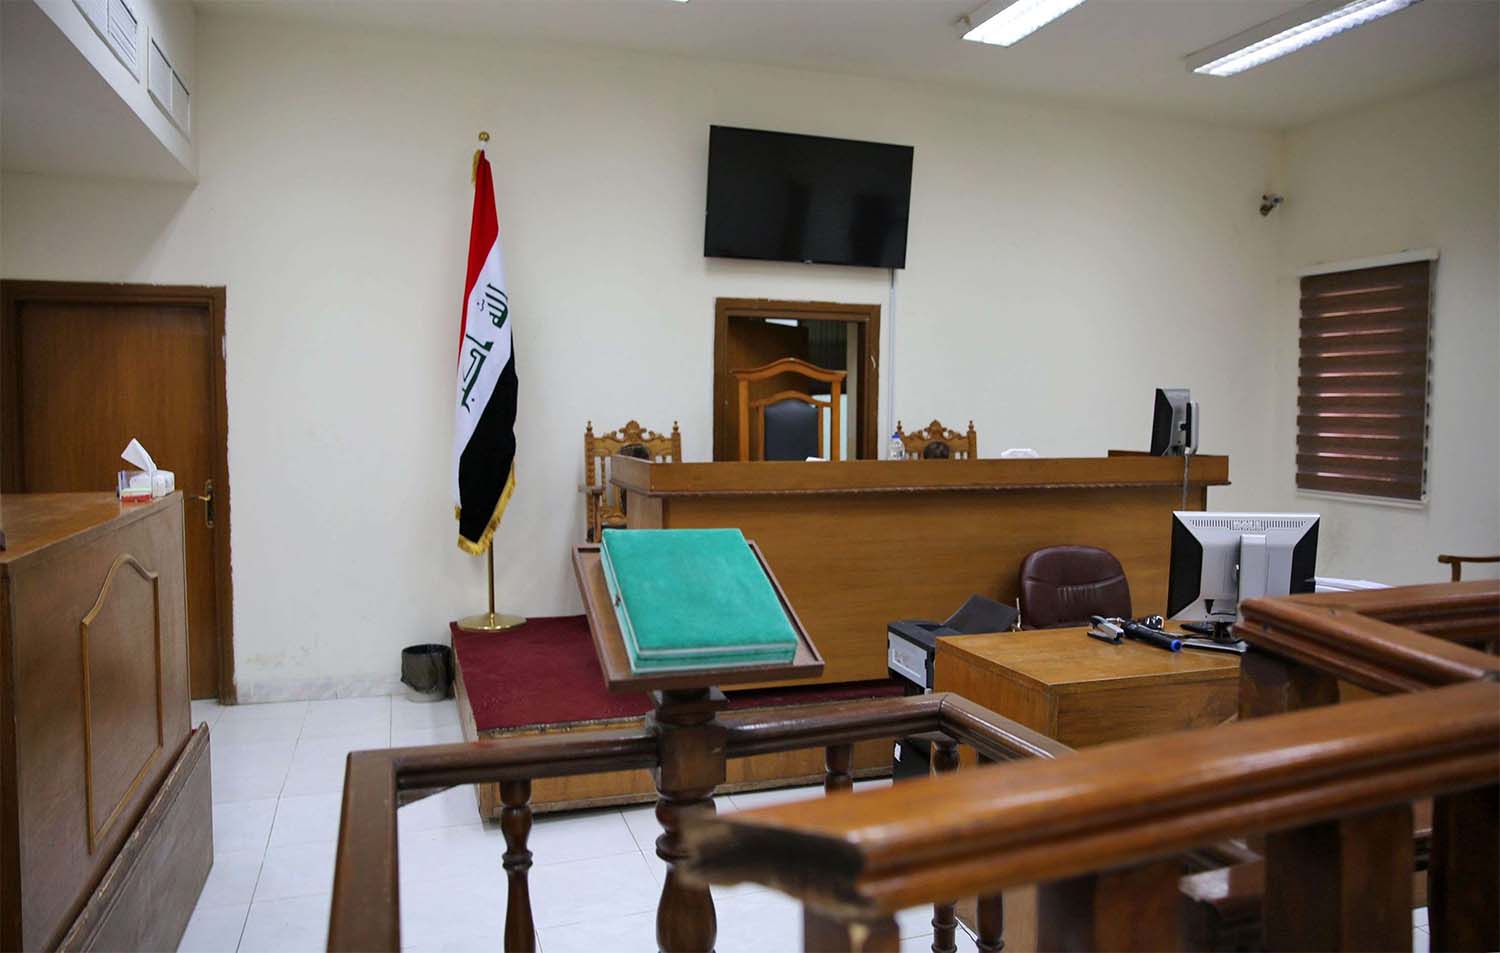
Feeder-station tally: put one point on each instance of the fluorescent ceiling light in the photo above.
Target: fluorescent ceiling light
(1288, 34)
(1003, 22)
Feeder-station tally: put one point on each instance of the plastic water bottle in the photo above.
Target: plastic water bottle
(897, 450)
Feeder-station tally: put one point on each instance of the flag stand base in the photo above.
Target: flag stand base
(491, 621)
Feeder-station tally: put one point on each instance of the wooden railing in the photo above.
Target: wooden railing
(1102, 831)
(1106, 831)
(366, 897)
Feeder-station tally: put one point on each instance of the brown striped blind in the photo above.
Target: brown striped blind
(1362, 381)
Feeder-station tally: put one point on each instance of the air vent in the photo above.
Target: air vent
(123, 33)
(159, 78)
(167, 88)
(181, 113)
(1242, 524)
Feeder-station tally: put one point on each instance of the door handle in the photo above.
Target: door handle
(207, 499)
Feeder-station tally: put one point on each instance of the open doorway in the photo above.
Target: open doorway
(750, 332)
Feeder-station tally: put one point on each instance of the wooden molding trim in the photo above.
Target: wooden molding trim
(786, 478)
(98, 828)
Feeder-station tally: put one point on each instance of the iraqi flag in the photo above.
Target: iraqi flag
(484, 412)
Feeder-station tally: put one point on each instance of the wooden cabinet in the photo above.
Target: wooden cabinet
(105, 802)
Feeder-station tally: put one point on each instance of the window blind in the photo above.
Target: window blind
(1362, 381)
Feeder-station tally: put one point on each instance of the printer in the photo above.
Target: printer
(911, 646)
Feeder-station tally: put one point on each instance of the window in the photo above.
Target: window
(1363, 379)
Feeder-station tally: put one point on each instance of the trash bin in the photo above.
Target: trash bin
(427, 672)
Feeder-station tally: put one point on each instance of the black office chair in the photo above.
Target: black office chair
(792, 429)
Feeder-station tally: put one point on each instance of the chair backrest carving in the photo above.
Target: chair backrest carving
(785, 401)
(603, 506)
(936, 442)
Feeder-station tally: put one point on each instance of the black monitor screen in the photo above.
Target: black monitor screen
(784, 197)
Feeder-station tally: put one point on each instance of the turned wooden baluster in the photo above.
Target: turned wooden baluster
(945, 913)
(690, 742)
(991, 913)
(515, 824)
(836, 762)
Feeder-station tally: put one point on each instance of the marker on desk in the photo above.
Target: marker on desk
(1151, 636)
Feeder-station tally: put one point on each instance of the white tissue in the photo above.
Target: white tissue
(1019, 453)
(161, 482)
(136, 456)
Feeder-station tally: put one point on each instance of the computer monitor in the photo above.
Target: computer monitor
(1221, 559)
(1174, 426)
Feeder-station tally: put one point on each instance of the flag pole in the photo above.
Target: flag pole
(491, 621)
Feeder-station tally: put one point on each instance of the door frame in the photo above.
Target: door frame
(15, 293)
(866, 316)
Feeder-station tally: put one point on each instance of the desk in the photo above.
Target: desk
(1083, 692)
(861, 542)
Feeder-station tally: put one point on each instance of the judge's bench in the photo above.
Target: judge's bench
(858, 543)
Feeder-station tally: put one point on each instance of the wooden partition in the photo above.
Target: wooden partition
(105, 808)
(859, 543)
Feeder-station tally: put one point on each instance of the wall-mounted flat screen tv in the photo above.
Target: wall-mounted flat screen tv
(785, 197)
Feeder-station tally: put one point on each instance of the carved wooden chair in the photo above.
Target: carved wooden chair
(936, 442)
(602, 500)
(795, 417)
(1456, 563)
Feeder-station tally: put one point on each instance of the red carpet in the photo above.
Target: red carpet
(545, 673)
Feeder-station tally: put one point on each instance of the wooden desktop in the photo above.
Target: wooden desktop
(859, 543)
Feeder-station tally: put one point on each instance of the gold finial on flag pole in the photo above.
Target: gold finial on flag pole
(474, 172)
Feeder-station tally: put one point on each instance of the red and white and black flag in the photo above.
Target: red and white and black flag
(484, 413)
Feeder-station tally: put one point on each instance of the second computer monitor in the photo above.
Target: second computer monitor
(1174, 423)
(1222, 559)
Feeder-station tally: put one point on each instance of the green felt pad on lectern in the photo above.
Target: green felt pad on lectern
(689, 598)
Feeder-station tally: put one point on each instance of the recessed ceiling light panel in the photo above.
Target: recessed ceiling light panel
(1003, 22)
(1288, 34)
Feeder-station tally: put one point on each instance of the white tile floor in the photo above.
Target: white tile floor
(277, 777)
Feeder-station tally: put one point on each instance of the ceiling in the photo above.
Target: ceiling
(1119, 53)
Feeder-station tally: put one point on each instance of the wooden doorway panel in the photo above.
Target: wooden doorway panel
(754, 343)
(88, 367)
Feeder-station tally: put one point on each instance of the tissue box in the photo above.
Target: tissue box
(135, 486)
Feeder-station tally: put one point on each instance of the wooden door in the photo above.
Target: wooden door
(88, 367)
(743, 338)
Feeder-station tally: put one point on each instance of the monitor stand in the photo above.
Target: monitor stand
(1223, 640)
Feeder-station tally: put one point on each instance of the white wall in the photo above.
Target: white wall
(1061, 264)
(1419, 172)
